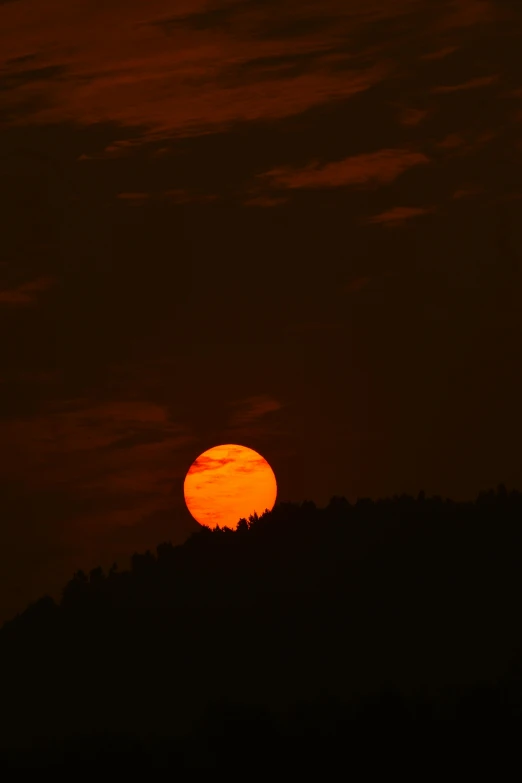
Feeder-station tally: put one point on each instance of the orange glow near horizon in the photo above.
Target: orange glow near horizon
(228, 482)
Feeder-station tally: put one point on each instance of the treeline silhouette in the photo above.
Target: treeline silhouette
(308, 637)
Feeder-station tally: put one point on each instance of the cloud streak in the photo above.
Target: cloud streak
(26, 293)
(100, 452)
(374, 168)
(163, 72)
(253, 408)
(399, 215)
(471, 84)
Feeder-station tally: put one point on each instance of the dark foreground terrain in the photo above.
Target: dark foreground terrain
(373, 634)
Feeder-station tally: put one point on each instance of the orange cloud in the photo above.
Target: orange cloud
(134, 197)
(104, 453)
(27, 293)
(375, 168)
(206, 464)
(468, 13)
(440, 54)
(462, 146)
(118, 149)
(253, 408)
(400, 214)
(412, 117)
(472, 84)
(161, 71)
(197, 67)
(467, 192)
(451, 141)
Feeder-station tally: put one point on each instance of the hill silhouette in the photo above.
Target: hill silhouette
(305, 634)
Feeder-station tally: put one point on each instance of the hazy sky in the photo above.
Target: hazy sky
(292, 224)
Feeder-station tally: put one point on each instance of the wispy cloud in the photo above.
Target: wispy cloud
(168, 74)
(471, 84)
(206, 464)
(374, 168)
(399, 215)
(413, 117)
(451, 141)
(134, 197)
(106, 454)
(200, 67)
(26, 293)
(468, 192)
(440, 54)
(253, 408)
(468, 13)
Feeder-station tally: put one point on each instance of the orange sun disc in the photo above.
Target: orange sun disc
(228, 482)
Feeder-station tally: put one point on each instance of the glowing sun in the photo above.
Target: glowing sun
(228, 482)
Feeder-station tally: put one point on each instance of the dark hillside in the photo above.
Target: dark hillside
(419, 597)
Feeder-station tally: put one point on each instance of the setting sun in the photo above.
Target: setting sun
(228, 482)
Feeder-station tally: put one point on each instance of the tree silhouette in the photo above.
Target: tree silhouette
(302, 632)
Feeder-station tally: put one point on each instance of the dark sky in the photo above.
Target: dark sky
(292, 224)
